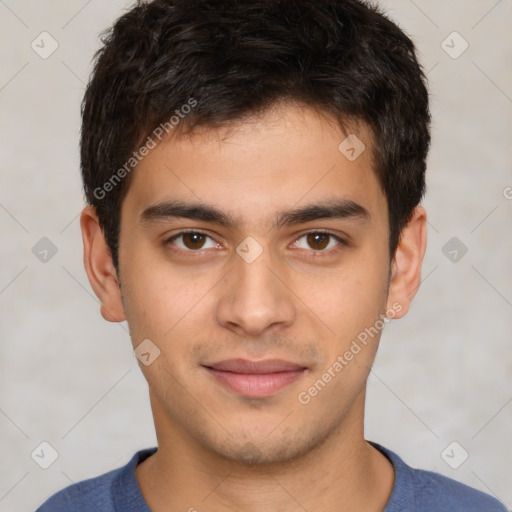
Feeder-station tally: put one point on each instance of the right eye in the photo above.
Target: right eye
(191, 241)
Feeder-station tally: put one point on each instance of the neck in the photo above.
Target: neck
(342, 474)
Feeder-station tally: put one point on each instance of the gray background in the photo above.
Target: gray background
(67, 377)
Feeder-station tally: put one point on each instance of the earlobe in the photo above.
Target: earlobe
(100, 268)
(406, 265)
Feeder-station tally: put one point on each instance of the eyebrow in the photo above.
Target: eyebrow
(338, 208)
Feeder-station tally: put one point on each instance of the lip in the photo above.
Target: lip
(256, 379)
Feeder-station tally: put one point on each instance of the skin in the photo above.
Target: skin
(217, 449)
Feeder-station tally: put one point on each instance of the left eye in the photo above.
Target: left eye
(320, 241)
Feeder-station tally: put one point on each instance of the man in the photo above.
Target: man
(254, 170)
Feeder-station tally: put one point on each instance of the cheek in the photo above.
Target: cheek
(350, 297)
(160, 301)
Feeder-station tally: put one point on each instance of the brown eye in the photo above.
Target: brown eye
(319, 241)
(191, 241)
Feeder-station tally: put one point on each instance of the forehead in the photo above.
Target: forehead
(265, 164)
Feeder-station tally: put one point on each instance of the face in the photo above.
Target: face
(254, 260)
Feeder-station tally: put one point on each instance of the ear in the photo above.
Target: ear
(406, 265)
(100, 268)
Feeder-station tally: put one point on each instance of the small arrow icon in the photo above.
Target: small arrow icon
(44, 455)
(147, 352)
(454, 249)
(44, 250)
(454, 45)
(249, 249)
(352, 147)
(44, 45)
(454, 455)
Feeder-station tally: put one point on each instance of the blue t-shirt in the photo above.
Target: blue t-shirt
(415, 490)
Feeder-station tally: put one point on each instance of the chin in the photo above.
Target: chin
(282, 448)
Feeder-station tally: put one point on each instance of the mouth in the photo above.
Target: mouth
(255, 379)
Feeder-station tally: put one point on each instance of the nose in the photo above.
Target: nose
(257, 297)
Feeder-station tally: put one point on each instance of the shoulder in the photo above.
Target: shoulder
(94, 492)
(98, 493)
(426, 491)
(435, 491)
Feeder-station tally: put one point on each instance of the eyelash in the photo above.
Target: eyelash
(312, 253)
